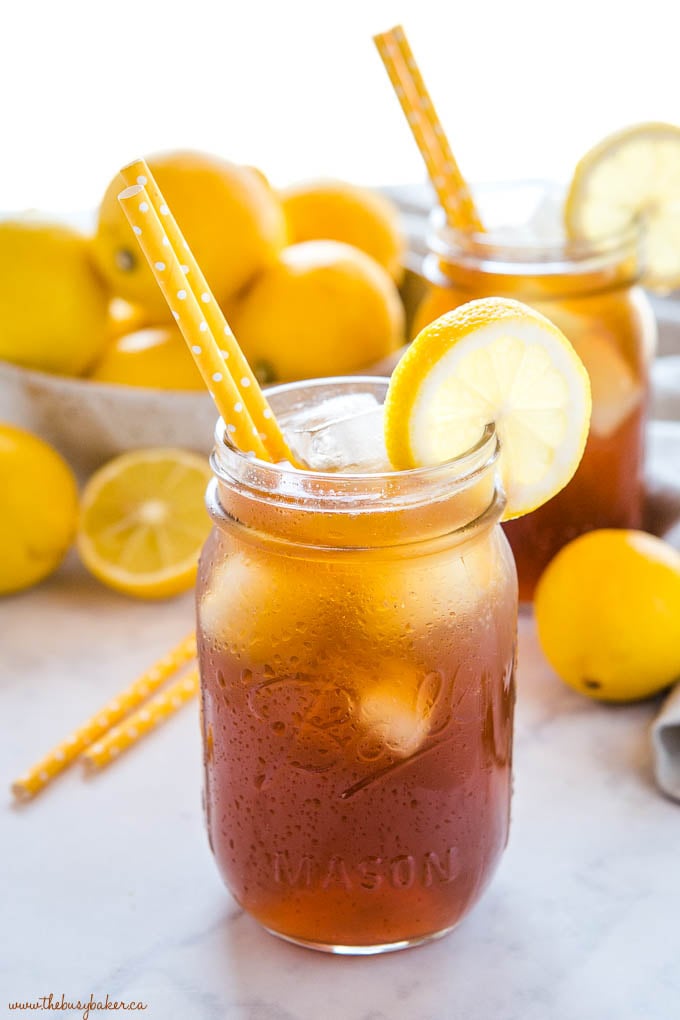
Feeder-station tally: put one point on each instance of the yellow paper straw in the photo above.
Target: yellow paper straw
(37, 777)
(138, 173)
(151, 715)
(209, 357)
(461, 191)
(447, 180)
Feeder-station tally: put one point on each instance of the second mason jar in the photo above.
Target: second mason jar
(590, 290)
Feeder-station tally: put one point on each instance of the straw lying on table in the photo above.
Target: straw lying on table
(452, 190)
(66, 752)
(152, 713)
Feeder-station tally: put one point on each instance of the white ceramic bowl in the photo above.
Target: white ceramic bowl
(89, 422)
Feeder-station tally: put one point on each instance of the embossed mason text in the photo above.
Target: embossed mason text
(400, 872)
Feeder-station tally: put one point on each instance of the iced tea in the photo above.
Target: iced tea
(357, 643)
(589, 290)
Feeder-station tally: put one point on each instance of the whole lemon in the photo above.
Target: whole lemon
(323, 308)
(232, 220)
(157, 357)
(53, 302)
(38, 509)
(607, 610)
(124, 318)
(436, 301)
(340, 211)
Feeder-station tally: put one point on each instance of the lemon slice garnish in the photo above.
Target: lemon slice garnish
(493, 360)
(633, 173)
(143, 521)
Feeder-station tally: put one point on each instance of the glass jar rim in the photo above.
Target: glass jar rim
(502, 250)
(361, 491)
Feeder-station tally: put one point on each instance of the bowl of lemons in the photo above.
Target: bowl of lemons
(90, 357)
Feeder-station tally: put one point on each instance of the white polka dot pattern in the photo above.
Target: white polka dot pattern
(274, 447)
(154, 712)
(191, 315)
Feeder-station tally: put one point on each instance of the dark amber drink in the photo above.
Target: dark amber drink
(589, 290)
(357, 641)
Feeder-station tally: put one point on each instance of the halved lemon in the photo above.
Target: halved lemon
(633, 173)
(493, 360)
(143, 521)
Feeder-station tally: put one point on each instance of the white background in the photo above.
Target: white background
(523, 87)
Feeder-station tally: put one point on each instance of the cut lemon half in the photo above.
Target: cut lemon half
(634, 173)
(143, 522)
(493, 360)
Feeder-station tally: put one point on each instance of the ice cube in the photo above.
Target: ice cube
(616, 390)
(542, 227)
(394, 718)
(346, 405)
(342, 434)
(397, 703)
(545, 224)
(263, 608)
(237, 594)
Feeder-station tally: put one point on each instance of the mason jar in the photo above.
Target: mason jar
(356, 638)
(591, 291)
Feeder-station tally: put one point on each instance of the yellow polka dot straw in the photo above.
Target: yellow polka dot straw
(452, 190)
(171, 276)
(151, 715)
(138, 172)
(37, 777)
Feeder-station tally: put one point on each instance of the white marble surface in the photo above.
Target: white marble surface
(108, 885)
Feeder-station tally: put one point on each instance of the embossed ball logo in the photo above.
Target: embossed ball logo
(317, 723)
